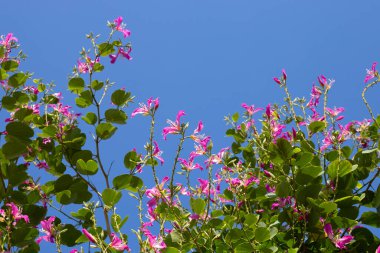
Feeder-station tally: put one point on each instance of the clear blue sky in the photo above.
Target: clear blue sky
(206, 57)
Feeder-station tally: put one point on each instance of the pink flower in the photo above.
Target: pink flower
(74, 251)
(89, 236)
(195, 136)
(48, 229)
(189, 164)
(17, 214)
(334, 112)
(378, 249)
(174, 127)
(118, 244)
(324, 82)
(281, 80)
(340, 243)
(270, 188)
(277, 80)
(157, 153)
(251, 109)
(120, 26)
(42, 165)
(8, 39)
(371, 73)
(121, 51)
(267, 173)
(147, 109)
(315, 95)
(268, 111)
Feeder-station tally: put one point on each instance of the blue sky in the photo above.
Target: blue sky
(206, 57)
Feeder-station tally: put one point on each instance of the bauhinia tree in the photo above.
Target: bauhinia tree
(295, 178)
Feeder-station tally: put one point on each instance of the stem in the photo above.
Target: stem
(291, 107)
(180, 145)
(366, 102)
(151, 137)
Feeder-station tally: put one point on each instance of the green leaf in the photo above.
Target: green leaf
(87, 168)
(111, 197)
(76, 85)
(197, 205)
(64, 197)
(117, 223)
(14, 149)
(63, 183)
(235, 117)
(105, 49)
(90, 118)
(262, 234)
(313, 171)
(131, 159)
(128, 182)
(84, 100)
(342, 222)
(244, 247)
(96, 85)
(49, 131)
(346, 151)
(20, 130)
(105, 130)
(371, 218)
(82, 214)
(17, 80)
(24, 236)
(227, 194)
(328, 207)
(317, 126)
(120, 97)
(8, 103)
(283, 189)
(3, 74)
(171, 250)
(332, 155)
(97, 67)
(10, 66)
(304, 159)
(251, 219)
(115, 116)
(345, 167)
(70, 235)
(284, 148)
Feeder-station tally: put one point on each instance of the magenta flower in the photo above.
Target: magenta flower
(251, 109)
(371, 73)
(378, 249)
(89, 236)
(157, 153)
(147, 109)
(334, 112)
(281, 80)
(9, 38)
(174, 127)
(324, 82)
(189, 164)
(122, 52)
(120, 26)
(315, 95)
(48, 229)
(74, 251)
(17, 214)
(118, 244)
(340, 243)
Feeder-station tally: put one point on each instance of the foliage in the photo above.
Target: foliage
(295, 179)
